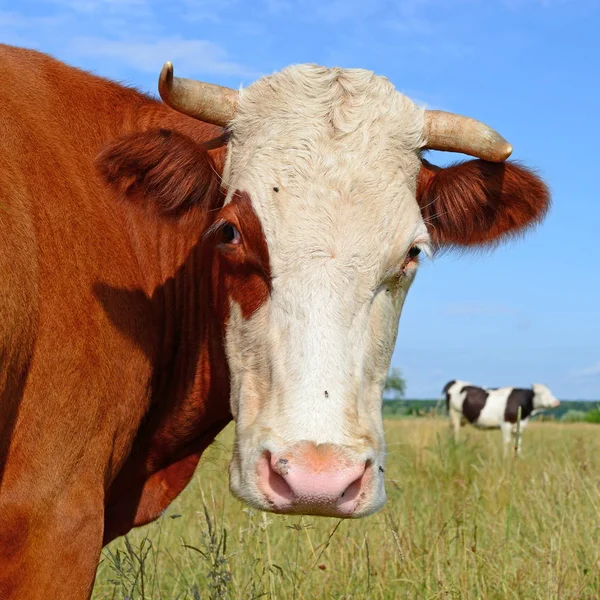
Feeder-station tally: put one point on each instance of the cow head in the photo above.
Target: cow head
(329, 207)
(543, 397)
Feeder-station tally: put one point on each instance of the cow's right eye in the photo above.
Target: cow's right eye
(229, 234)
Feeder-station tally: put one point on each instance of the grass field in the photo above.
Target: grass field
(460, 522)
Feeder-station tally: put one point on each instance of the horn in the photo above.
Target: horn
(207, 102)
(455, 133)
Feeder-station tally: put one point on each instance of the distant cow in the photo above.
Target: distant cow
(492, 408)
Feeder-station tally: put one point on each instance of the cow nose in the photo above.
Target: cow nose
(313, 479)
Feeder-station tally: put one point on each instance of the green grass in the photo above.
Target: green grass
(459, 523)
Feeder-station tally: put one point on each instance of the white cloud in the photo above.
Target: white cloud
(593, 371)
(13, 19)
(207, 10)
(129, 7)
(136, 34)
(278, 6)
(516, 4)
(190, 57)
(466, 309)
(407, 25)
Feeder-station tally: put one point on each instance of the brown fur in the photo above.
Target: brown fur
(113, 375)
(477, 203)
(162, 168)
(243, 271)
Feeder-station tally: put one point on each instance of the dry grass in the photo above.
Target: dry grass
(460, 523)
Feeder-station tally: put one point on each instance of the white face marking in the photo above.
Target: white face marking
(341, 147)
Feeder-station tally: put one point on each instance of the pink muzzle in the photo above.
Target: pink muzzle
(314, 479)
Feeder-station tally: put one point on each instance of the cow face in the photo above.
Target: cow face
(333, 187)
(543, 398)
(328, 206)
(330, 161)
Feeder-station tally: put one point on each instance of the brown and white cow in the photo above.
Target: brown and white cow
(160, 277)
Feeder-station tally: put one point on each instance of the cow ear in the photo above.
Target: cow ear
(162, 168)
(479, 203)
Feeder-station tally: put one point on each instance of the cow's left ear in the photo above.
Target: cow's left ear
(479, 203)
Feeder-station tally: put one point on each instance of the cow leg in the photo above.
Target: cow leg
(455, 418)
(506, 429)
(519, 441)
(49, 549)
(519, 438)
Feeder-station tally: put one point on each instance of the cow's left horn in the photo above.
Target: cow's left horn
(455, 133)
(207, 102)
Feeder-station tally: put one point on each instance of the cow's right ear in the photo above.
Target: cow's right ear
(163, 168)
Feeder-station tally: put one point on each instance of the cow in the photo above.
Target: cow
(495, 408)
(170, 266)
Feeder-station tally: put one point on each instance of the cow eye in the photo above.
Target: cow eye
(414, 252)
(229, 234)
(411, 255)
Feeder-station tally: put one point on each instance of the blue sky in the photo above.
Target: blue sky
(527, 312)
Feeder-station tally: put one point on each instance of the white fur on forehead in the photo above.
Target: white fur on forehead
(343, 100)
(342, 147)
(353, 109)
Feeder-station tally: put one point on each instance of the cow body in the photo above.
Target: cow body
(495, 408)
(155, 283)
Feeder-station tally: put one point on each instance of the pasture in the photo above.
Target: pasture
(460, 522)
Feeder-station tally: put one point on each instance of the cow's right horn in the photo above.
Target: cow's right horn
(207, 102)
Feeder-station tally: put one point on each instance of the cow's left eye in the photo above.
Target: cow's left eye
(411, 256)
(414, 252)
(229, 234)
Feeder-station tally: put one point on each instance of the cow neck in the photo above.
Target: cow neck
(527, 405)
(188, 403)
(190, 388)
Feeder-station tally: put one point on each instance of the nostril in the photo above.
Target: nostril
(353, 491)
(279, 485)
(273, 482)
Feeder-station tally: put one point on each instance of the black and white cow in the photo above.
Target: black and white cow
(492, 408)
